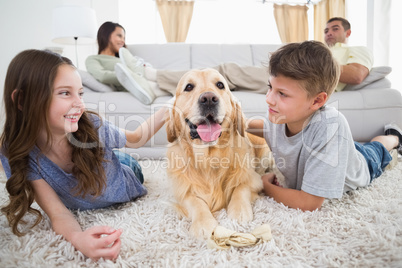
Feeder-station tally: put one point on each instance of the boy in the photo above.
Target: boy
(313, 142)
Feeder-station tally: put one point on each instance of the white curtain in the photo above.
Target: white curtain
(323, 11)
(176, 18)
(292, 22)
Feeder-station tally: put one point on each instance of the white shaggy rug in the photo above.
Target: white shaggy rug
(363, 229)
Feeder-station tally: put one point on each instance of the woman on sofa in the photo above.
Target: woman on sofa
(116, 66)
(111, 37)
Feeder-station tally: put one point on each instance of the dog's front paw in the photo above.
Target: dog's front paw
(203, 229)
(242, 213)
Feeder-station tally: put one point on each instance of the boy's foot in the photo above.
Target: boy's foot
(394, 161)
(393, 129)
(139, 86)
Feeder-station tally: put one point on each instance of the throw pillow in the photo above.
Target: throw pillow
(90, 82)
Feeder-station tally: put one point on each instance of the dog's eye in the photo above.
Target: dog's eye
(189, 87)
(220, 85)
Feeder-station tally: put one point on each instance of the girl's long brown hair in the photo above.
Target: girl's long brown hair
(28, 92)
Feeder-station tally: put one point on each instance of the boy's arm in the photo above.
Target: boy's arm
(256, 127)
(144, 132)
(90, 242)
(290, 197)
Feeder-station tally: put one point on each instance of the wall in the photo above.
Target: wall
(219, 21)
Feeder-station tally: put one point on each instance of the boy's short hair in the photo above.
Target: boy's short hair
(309, 62)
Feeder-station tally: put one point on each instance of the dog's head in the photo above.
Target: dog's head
(204, 109)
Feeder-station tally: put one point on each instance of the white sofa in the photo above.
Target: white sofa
(367, 107)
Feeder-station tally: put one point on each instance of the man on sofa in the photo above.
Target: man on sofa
(356, 62)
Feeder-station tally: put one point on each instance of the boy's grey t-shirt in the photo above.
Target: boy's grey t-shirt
(122, 184)
(320, 160)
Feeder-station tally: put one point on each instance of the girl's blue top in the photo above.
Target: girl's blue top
(122, 185)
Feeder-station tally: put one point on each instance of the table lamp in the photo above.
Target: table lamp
(74, 25)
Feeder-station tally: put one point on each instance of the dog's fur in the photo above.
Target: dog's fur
(207, 176)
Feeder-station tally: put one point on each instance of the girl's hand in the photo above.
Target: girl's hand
(95, 242)
(98, 242)
(171, 101)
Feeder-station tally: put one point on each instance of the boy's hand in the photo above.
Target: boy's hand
(99, 242)
(270, 178)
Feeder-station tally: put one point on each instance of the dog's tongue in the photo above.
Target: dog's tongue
(209, 132)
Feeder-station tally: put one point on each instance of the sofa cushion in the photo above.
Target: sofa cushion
(375, 75)
(90, 82)
(210, 55)
(172, 56)
(260, 53)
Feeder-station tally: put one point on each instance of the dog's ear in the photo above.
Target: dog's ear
(170, 125)
(239, 118)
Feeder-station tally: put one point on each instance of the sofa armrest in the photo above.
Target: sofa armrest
(375, 79)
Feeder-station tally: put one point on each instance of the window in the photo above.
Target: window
(214, 21)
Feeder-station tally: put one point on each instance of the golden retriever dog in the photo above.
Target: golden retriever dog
(212, 162)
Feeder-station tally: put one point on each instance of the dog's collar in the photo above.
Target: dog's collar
(193, 130)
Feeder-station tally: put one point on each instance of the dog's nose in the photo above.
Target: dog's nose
(208, 98)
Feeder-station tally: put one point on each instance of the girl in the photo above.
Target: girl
(61, 156)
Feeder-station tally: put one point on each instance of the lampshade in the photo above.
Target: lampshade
(71, 22)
